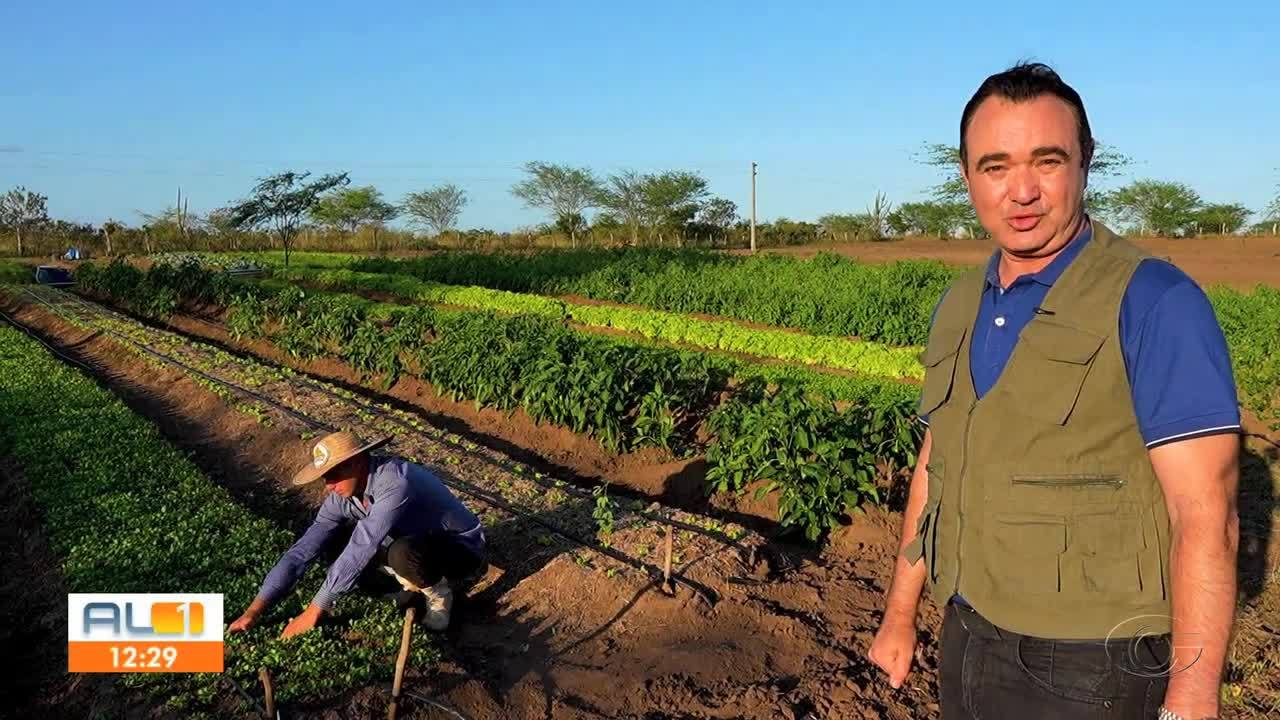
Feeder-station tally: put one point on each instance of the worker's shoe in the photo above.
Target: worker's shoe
(439, 599)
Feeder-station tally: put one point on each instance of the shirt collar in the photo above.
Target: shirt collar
(374, 464)
(1048, 275)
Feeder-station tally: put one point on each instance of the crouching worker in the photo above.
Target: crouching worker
(404, 524)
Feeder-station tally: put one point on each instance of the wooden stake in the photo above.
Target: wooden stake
(403, 658)
(667, 587)
(268, 692)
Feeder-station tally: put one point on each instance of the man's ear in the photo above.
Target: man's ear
(964, 175)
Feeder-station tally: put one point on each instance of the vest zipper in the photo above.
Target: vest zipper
(1068, 480)
(964, 465)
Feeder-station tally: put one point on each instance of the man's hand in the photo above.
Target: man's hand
(249, 618)
(303, 622)
(893, 648)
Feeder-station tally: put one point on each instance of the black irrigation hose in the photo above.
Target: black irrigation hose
(52, 350)
(166, 359)
(373, 409)
(652, 570)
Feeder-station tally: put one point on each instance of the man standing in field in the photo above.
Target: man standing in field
(404, 522)
(1074, 498)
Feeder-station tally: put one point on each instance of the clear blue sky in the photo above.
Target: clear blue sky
(108, 107)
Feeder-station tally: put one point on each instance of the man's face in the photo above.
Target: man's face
(346, 479)
(1024, 173)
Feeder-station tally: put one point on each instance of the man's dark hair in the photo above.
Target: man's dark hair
(1028, 81)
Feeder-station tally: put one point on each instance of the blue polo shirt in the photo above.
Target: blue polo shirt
(1174, 351)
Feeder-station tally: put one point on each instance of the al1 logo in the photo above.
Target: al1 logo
(144, 632)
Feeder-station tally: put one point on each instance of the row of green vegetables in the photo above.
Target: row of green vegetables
(826, 295)
(127, 512)
(1251, 323)
(829, 295)
(627, 394)
(868, 358)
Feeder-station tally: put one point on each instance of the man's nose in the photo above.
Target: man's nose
(1024, 186)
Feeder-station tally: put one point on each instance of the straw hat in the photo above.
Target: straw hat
(330, 451)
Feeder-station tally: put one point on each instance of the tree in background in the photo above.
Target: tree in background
(718, 212)
(622, 195)
(168, 229)
(672, 200)
(944, 219)
(1221, 218)
(1157, 206)
(1272, 213)
(565, 191)
(109, 228)
(874, 224)
(279, 202)
(437, 208)
(350, 209)
(21, 209)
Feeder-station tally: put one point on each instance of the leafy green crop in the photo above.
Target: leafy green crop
(627, 394)
(1251, 323)
(828, 295)
(864, 357)
(127, 512)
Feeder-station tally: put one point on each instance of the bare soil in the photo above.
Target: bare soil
(551, 637)
(548, 636)
(1239, 262)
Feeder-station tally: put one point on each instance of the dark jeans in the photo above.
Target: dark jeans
(422, 561)
(990, 673)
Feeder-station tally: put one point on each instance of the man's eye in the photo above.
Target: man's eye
(1050, 162)
(991, 169)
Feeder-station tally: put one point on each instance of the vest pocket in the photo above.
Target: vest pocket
(939, 360)
(1103, 552)
(1060, 358)
(1023, 551)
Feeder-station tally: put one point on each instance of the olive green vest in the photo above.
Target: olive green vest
(1044, 511)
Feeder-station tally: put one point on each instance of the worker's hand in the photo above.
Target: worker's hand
(250, 616)
(894, 647)
(244, 622)
(303, 622)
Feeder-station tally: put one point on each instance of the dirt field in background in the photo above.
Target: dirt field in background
(1239, 262)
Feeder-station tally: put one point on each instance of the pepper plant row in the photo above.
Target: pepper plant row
(842, 353)
(127, 512)
(627, 394)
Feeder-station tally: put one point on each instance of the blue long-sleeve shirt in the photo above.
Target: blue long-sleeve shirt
(401, 499)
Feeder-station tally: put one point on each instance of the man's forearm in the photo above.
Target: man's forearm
(903, 598)
(1202, 562)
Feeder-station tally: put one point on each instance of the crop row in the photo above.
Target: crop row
(126, 512)
(827, 295)
(626, 394)
(868, 358)
(1251, 323)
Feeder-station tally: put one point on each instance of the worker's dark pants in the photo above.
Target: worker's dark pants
(992, 673)
(422, 561)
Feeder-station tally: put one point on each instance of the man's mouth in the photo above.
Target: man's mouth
(1022, 223)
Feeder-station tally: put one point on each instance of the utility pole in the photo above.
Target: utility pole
(753, 207)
